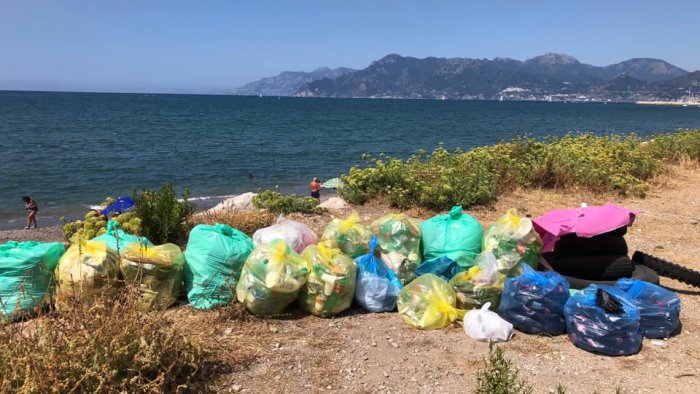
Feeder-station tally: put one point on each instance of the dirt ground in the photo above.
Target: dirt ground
(358, 352)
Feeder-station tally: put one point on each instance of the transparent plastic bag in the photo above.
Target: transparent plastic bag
(456, 235)
(479, 285)
(486, 326)
(594, 329)
(512, 240)
(297, 235)
(377, 286)
(86, 270)
(349, 235)
(534, 302)
(330, 287)
(428, 303)
(271, 278)
(399, 238)
(157, 270)
(659, 309)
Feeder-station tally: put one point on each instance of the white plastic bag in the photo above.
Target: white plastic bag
(485, 325)
(297, 235)
(488, 269)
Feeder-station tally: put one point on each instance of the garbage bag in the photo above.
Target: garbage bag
(594, 329)
(377, 286)
(486, 326)
(482, 283)
(659, 309)
(456, 235)
(25, 276)
(399, 239)
(297, 235)
(87, 269)
(442, 266)
(271, 278)
(214, 258)
(157, 270)
(330, 287)
(118, 239)
(513, 240)
(534, 302)
(349, 235)
(428, 303)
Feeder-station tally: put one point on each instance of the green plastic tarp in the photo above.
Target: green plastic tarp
(118, 239)
(214, 258)
(25, 275)
(455, 235)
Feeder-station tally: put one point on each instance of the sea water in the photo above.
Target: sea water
(70, 150)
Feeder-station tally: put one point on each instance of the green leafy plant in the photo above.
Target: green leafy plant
(285, 204)
(95, 224)
(163, 216)
(499, 376)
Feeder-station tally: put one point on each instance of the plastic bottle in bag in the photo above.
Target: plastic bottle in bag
(482, 283)
(399, 238)
(512, 240)
(659, 309)
(330, 287)
(428, 303)
(349, 235)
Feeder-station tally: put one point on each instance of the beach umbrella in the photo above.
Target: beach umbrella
(122, 204)
(584, 221)
(331, 183)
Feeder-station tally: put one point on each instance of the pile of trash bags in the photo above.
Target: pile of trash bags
(297, 235)
(377, 286)
(479, 285)
(85, 271)
(271, 278)
(330, 287)
(513, 241)
(428, 303)
(214, 258)
(348, 235)
(456, 235)
(118, 239)
(25, 276)
(156, 270)
(399, 239)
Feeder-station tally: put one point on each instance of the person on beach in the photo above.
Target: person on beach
(32, 208)
(315, 187)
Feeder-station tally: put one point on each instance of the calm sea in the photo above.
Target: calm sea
(69, 150)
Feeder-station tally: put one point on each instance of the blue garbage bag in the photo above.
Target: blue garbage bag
(593, 328)
(442, 266)
(377, 287)
(659, 309)
(533, 302)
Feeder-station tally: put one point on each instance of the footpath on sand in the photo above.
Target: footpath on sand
(358, 352)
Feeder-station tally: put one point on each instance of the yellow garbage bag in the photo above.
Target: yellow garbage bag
(513, 240)
(428, 303)
(349, 235)
(156, 270)
(86, 270)
(331, 284)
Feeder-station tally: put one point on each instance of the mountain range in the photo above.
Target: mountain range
(549, 76)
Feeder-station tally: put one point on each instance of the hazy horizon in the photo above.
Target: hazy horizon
(175, 47)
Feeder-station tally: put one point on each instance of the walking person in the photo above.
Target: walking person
(315, 187)
(31, 207)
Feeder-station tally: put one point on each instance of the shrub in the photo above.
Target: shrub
(95, 224)
(106, 346)
(285, 204)
(245, 221)
(163, 216)
(499, 376)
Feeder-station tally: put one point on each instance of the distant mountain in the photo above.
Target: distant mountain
(288, 82)
(541, 77)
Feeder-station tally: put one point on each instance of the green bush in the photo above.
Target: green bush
(620, 164)
(95, 224)
(163, 216)
(285, 204)
(499, 376)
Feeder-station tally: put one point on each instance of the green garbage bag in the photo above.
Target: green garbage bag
(349, 235)
(513, 240)
(214, 258)
(456, 235)
(156, 270)
(271, 278)
(86, 271)
(399, 240)
(119, 239)
(330, 287)
(25, 276)
(482, 283)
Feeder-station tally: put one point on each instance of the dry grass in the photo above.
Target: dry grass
(245, 221)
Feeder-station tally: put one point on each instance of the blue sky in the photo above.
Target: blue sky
(211, 46)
